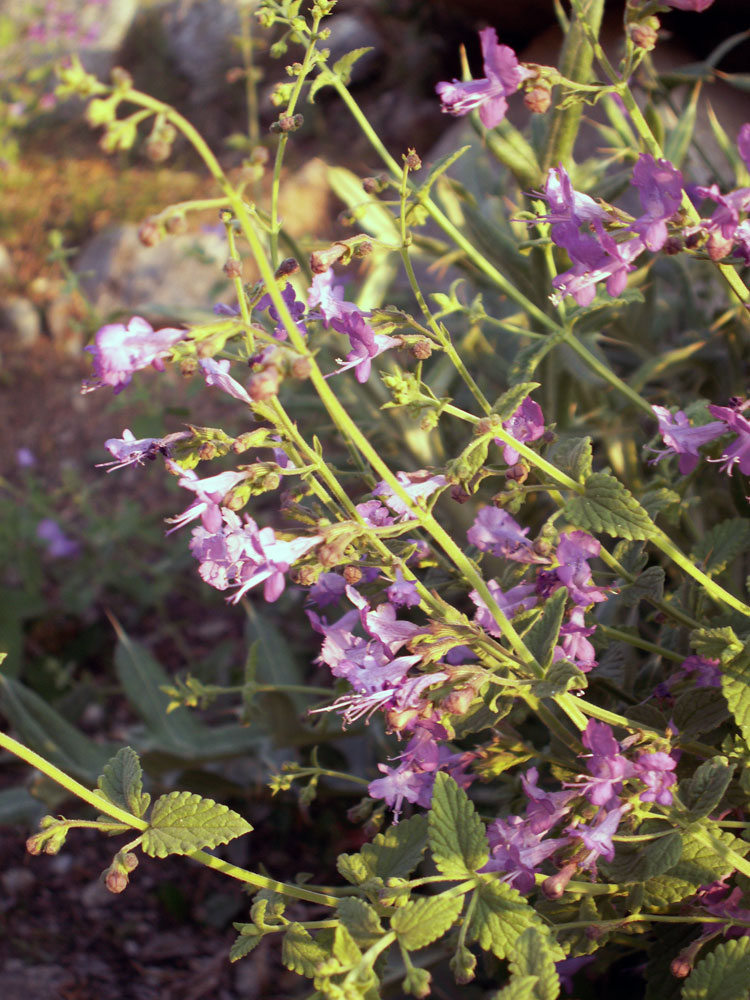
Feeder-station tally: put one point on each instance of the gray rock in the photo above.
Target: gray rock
(20, 319)
(181, 274)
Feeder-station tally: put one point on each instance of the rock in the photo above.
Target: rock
(7, 271)
(119, 275)
(20, 322)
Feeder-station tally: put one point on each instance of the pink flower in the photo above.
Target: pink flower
(682, 439)
(121, 350)
(698, 6)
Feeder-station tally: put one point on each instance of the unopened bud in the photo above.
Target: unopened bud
(130, 861)
(680, 967)
(175, 224)
(121, 78)
(289, 265)
(645, 34)
(264, 384)
(207, 451)
(271, 481)
(34, 844)
(542, 546)
(321, 260)
(692, 240)
(518, 473)
(554, 886)
(718, 247)
(398, 718)
(538, 99)
(459, 494)
(188, 367)
(301, 368)
(374, 185)
(233, 268)
(363, 249)
(429, 420)
(412, 161)
(459, 700)
(149, 233)
(672, 246)
(157, 150)
(288, 123)
(421, 349)
(305, 576)
(116, 880)
(483, 426)
(352, 575)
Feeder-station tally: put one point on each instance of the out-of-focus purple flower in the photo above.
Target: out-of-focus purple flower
(209, 494)
(295, 307)
(525, 424)
(519, 598)
(56, 542)
(25, 458)
(545, 809)
(659, 184)
(698, 6)
(743, 143)
(598, 838)
(366, 344)
(704, 672)
(328, 589)
(720, 900)
(568, 968)
(738, 452)
(502, 77)
(217, 373)
(403, 593)
(417, 485)
(222, 308)
(726, 216)
(742, 241)
(655, 771)
(121, 350)
(575, 646)
(682, 439)
(495, 531)
(606, 765)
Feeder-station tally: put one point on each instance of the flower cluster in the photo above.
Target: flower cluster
(684, 439)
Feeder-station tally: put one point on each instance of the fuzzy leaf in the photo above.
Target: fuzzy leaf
(182, 822)
(562, 676)
(501, 915)
(353, 868)
(722, 975)
(361, 920)
(398, 851)
(699, 710)
(573, 456)
(735, 685)
(248, 938)
(532, 956)
(721, 545)
(607, 506)
(456, 833)
(635, 863)
(345, 948)
(528, 360)
(301, 953)
(519, 988)
(542, 637)
(507, 404)
(702, 793)
(121, 782)
(423, 921)
(715, 643)
(650, 584)
(342, 69)
(698, 865)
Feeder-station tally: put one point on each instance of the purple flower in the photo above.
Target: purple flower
(575, 646)
(57, 543)
(598, 838)
(121, 350)
(659, 184)
(706, 673)
(209, 494)
(726, 217)
(519, 598)
(606, 765)
(737, 453)
(366, 344)
(502, 77)
(328, 589)
(417, 486)
(129, 450)
(682, 439)
(544, 809)
(574, 550)
(495, 531)
(613, 265)
(569, 211)
(525, 424)
(743, 143)
(403, 593)
(217, 373)
(402, 783)
(698, 6)
(655, 771)
(25, 458)
(295, 307)
(329, 298)
(518, 851)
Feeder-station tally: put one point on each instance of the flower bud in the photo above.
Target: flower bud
(352, 575)
(116, 880)
(121, 78)
(672, 246)
(412, 161)
(176, 224)
(157, 150)
(207, 451)
(459, 494)
(459, 700)
(421, 349)
(397, 718)
(288, 266)
(188, 367)
(518, 473)
(321, 260)
(363, 249)
(554, 886)
(542, 546)
(305, 576)
(645, 34)
(130, 861)
(288, 123)
(233, 268)
(301, 368)
(374, 185)
(718, 247)
(538, 99)
(264, 384)
(149, 233)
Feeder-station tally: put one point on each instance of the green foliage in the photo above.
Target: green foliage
(121, 782)
(500, 917)
(182, 822)
(608, 506)
(533, 956)
(422, 921)
(703, 792)
(722, 975)
(456, 833)
(544, 633)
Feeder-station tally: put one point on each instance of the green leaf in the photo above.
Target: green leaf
(301, 953)
(679, 138)
(699, 710)
(735, 685)
(398, 851)
(721, 545)
(702, 793)
(353, 868)
(342, 69)
(507, 404)
(345, 948)
(456, 833)
(715, 643)
(699, 865)
(423, 921)
(573, 456)
(722, 975)
(248, 938)
(650, 584)
(121, 782)
(542, 637)
(182, 822)
(532, 956)
(528, 360)
(631, 556)
(361, 920)
(635, 863)
(519, 988)
(438, 168)
(416, 982)
(500, 916)
(562, 676)
(607, 506)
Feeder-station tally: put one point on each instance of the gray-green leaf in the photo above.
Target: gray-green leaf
(702, 793)
(532, 956)
(607, 506)
(423, 921)
(722, 975)
(456, 833)
(500, 916)
(121, 781)
(182, 822)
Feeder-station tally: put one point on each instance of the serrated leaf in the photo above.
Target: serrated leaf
(722, 975)
(423, 921)
(631, 556)
(342, 69)
(635, 863)
(721, 545)
(501, 915)
(353, 868)
(532, 956)
(702, 793)
(573, 456)
(519, 988)
(507, 404)
(301, 953)
(245, 942)
(715, 643)
(608, 506)
(542, 637)
(345, 948)
(735, 686)
(121, 782)
(181, 822)
(698, 865)
(562, 676)
(649, 585)
(398, 851)
(699, 710)
(456, 833)
(361, 920)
